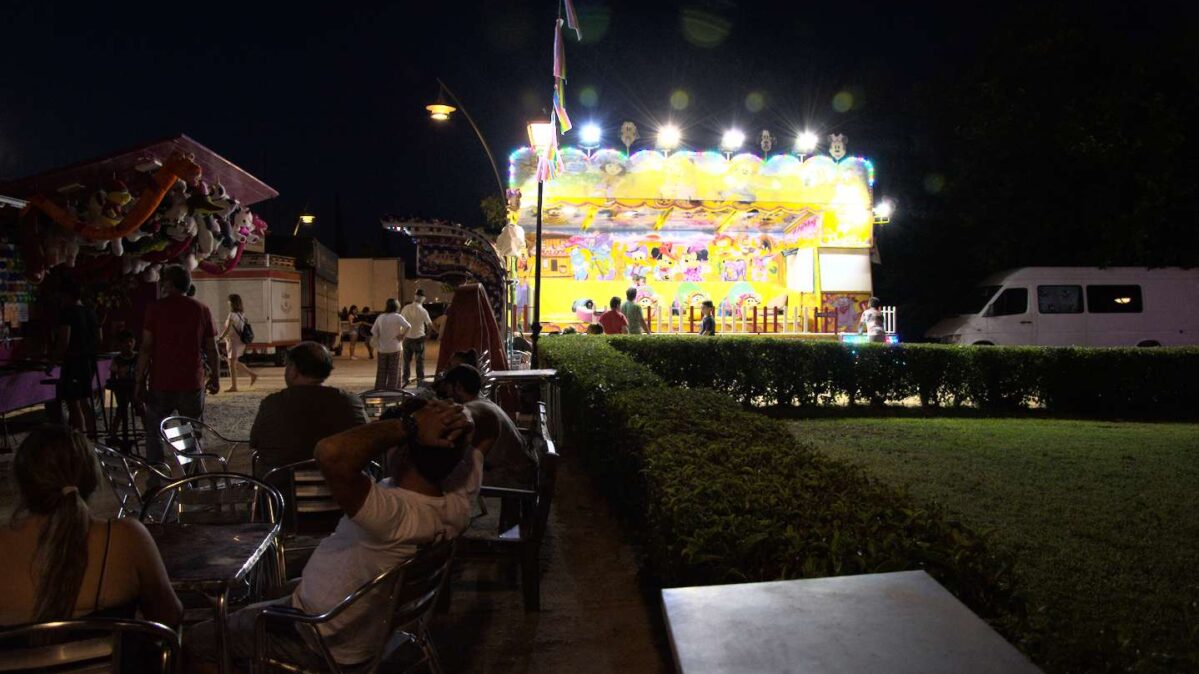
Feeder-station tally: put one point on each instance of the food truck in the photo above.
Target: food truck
(780, 245)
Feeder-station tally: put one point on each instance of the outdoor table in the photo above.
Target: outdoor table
(210, 559)
(545, 378)
(883, 622)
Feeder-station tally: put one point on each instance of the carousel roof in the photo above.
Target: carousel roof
(244, 187)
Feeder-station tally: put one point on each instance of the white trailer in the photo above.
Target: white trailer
(270, 290)
(1079, 306)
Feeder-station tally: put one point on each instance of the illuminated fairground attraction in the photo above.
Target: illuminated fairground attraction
(780, 245)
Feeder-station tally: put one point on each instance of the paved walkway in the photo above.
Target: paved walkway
(595, 617)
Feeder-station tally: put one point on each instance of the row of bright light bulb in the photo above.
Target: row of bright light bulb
(669, 137)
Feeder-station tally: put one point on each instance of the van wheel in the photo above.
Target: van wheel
(1149, 343)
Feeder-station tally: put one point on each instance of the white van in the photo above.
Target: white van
(1079, 306)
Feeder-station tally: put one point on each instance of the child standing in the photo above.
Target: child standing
(707, 326)
(120, 382)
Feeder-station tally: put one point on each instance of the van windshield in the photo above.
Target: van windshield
(974, 300)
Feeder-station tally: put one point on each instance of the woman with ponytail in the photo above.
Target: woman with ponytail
(60, 562)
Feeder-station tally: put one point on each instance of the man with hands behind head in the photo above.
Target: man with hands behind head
(428, 497)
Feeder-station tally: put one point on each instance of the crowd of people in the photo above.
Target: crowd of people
(66, 562)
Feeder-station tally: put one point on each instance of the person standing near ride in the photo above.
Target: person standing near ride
(414, 339)
(632, 313)
(388, 329)
(871, 322)
(707, 326)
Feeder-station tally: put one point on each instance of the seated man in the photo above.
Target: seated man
(427, 498)
(290, 422)
(511, 462)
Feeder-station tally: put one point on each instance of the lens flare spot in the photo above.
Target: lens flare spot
(934, 183)
(679, 99)
(704, 29)
(588, 97)
(843, 101)
(755, 101)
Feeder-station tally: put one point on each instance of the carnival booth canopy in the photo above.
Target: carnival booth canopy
(685, 227)
(172, 200)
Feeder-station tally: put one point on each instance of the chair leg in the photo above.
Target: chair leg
(430, 651)
(530, 578)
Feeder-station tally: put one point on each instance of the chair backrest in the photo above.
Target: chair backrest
(88, 645)
(306, 495)
(547, 473)
(216, 498)
(180, 434)
(122, 480)
(424, 577)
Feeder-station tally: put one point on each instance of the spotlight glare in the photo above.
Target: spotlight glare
(806, 142)
(732, 140)
(885, 209)
(669, 137)
(590, 135)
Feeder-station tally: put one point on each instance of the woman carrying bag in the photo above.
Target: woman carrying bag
(237, 335)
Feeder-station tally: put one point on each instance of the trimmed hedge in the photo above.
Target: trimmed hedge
(1100, 382)
(718, 494)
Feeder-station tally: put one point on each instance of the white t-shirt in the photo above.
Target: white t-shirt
(418, 316)
(388, 328)
(385, 532)
(873, 320)
(236, 323)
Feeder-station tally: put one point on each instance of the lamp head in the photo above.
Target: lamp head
(541, 134)
(806, 142)
(732, 140)
(669, 137)
(440, 111)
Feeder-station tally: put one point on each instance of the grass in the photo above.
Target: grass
(1102, 518)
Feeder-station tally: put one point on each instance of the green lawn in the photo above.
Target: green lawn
(1102, 518)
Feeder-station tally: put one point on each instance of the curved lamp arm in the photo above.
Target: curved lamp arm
(479, 134)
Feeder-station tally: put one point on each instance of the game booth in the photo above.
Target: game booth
(780, 245)
(110, 224)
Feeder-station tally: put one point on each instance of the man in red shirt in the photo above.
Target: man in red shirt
(613, 320)
(177, 334)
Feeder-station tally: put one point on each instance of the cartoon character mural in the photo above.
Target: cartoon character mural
(849, 307)
(740, 300)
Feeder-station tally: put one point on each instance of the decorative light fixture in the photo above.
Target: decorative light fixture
(440, 111)
(731, 141)
(540, 135)
(883, 212)
(628, 136)
(669, 137)
(805, 143)
(590, 136)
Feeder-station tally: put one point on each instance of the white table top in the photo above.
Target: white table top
(884, 622)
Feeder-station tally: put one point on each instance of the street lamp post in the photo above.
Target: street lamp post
(440, 112)
(306, 219)
(540, 135)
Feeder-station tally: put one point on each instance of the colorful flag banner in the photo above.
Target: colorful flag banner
(559, 52)
(572, 19)
(560, 106)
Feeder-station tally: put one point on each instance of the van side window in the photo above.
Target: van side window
(1114, 299)
(1010, 302)
(1059, 299)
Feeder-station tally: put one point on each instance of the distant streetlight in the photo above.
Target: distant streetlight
(731, 141)
(306, 219)
(669, 137)
(590, 137)
(440, 111)
(883, 212)
(805, 144)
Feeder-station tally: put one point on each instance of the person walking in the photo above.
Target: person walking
(632, 313)
(388, 328)
(414, 339)
(234, 337)
(177, 334)
(613, 320)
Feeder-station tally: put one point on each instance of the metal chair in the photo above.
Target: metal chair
(521, 543)
(87, 645)
(122, 472)
(411, 590)
(185, 436)
(224, 498)
(309, 511)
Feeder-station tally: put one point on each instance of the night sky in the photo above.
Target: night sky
(329, 99)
